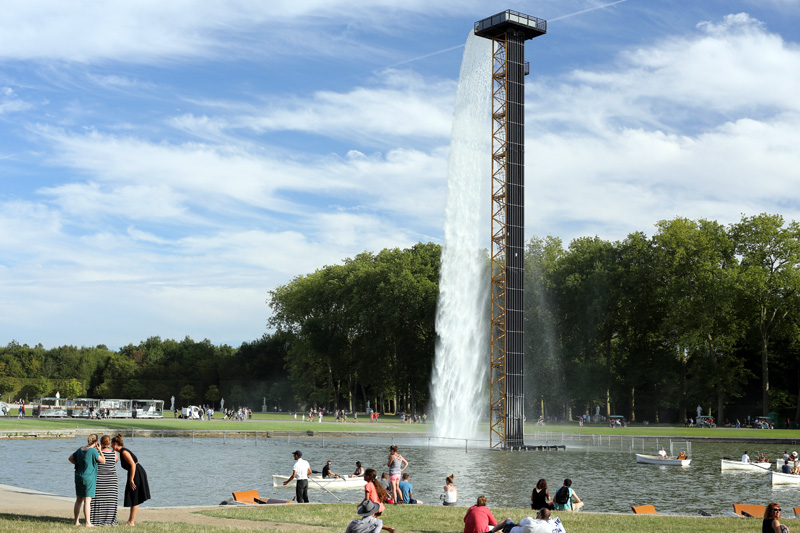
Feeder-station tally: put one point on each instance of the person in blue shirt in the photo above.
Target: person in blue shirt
(407, 490)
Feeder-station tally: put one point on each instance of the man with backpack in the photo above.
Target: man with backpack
(567, 499)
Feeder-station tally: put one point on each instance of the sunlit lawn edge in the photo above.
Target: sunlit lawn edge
(431, 518)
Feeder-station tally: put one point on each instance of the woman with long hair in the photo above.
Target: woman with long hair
(86, 460)
(137, 490)
(772, 523)
(396, 466)
(104, 503)
(540, 496)
(450, 491)
(373, 490)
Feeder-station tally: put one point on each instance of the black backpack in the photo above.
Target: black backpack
(562, 496)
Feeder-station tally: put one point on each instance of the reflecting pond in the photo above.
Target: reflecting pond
(183, 471)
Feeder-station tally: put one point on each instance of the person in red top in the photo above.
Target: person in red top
(479, 518)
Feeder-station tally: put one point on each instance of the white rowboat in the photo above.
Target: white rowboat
(779, 478)
(331, 483)
(656, 460)
(727, 464)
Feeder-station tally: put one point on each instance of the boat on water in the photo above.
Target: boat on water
(317, 482)
(779, 478)
(728, 464)
(656, 460)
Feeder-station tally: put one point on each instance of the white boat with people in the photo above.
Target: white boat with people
(317, 482)
(752, 466)
(657, 460)
(779, 478)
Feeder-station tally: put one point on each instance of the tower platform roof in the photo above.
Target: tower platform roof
(508, 20)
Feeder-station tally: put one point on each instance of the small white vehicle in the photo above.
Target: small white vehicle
(192, 412)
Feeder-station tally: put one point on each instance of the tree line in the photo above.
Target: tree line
(646, 327)
(700, 314)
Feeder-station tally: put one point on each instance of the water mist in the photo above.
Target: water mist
(462, 314)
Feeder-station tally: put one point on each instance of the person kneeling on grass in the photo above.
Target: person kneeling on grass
(369, 522)
(541, 524)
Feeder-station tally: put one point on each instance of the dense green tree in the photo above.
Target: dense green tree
(769, 278)
(71, 388)
(187, 394)
(212, 394)
(698, 273)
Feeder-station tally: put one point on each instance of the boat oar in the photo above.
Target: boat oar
(323, 488)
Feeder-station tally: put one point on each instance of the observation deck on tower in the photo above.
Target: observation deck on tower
(508, 20)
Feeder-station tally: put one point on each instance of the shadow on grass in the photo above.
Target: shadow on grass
(36, 519)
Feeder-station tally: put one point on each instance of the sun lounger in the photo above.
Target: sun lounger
(251, 497)
(644, 509)
(750, 510)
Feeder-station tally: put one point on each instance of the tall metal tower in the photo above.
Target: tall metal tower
(508, 32)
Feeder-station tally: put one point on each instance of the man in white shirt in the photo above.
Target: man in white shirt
(745, 458)
(300, 472)
(541, 524)
(662, 453)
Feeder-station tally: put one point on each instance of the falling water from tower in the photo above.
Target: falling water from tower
(462, 324)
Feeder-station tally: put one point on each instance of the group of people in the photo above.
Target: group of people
(662, 454)
(413, 419)
(565, 498)
(791, 463)
(96, 481)
(479, 519)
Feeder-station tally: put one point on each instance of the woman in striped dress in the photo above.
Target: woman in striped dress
(104, 503)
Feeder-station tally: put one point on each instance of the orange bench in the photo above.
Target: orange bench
(746, 509)
(252, 497)
(644, 509)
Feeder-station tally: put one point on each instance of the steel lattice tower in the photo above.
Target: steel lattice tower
(508, 32)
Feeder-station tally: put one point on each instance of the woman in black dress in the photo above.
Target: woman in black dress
(772, 523)
(540, 496)
(136, 489)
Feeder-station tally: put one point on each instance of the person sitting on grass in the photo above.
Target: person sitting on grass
(369, 521)
(479, 518)
(771, 523)
(407, 490)
(567, 499)
(541, 524)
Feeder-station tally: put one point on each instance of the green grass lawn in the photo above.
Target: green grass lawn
(387, 424)
(430, 518)
(260, 422)
(413, 519)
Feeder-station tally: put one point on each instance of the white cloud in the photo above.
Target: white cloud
(615, 154)
(154, 31)
(10, 102)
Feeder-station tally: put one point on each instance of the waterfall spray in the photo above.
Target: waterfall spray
(462, 325)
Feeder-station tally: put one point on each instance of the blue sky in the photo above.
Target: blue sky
(163, 165)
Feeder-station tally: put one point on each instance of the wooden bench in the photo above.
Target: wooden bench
(643, 509)
(746, 509)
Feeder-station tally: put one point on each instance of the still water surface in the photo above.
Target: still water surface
(606, 477)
